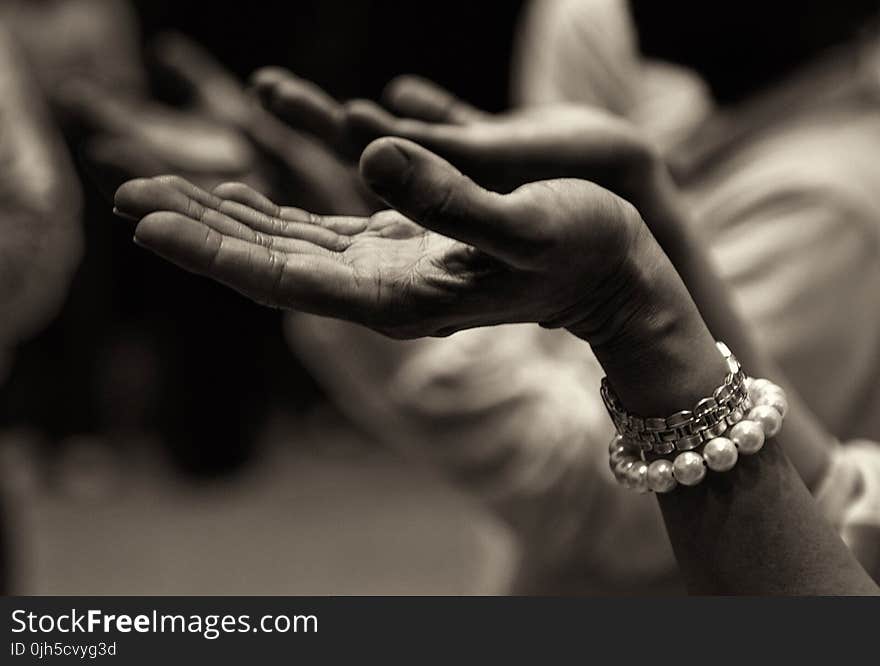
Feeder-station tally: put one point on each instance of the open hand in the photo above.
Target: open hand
(127, 137)
(451, 255)
(222, 134)
(501, 152)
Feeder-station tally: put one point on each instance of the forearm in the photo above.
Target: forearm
(755, 529)
(40, 203)
(804, 440)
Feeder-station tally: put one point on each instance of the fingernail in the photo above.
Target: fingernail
(124, 216)
(384, 164)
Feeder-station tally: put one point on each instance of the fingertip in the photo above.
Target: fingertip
(265, 79)
(169, 235)
(366, 120)
(142, 196)
(364, 109)
(128, 201)
(265, 84)
(386, 162)
(123, 215)
(150, 230)
(399, 88)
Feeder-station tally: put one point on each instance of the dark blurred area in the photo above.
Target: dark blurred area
(738, 47)
(139, 351)
(136, 346)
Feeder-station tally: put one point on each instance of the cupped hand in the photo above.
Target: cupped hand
(450, 255)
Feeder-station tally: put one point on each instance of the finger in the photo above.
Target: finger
(217, 91)
(247, 196)
(432, 192)
(366, 121)
(137, 199)
(300, 103)
(243, 194)
(419, 98)
(310, 283)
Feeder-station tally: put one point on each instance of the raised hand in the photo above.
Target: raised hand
(452, 255)
(500, 152)
(127, 137)
(223, 133)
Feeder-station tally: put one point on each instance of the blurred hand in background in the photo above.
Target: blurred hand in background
(500, 151)
(220, 134)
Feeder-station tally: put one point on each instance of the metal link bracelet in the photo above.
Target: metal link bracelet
(734, 421)
(687, 429)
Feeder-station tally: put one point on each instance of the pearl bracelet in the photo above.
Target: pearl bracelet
(766, 407)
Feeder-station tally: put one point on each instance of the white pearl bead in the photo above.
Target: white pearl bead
(736, 416)
(616, 443)
(689, 468)
(755, 386)
(773, 397)
(769, 418)
(748, 437)
(720, 454)
(622, 468)
(637, 477)
(617, 456)
(660, 478)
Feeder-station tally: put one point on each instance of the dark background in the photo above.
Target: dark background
(137, 343)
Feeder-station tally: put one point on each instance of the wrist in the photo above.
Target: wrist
(650, 338)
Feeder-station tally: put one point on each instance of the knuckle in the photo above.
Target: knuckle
(534, 237)
(441, 205)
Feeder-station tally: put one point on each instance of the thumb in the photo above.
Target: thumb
(435, 194)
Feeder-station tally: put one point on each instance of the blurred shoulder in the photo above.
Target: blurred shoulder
(823, 164)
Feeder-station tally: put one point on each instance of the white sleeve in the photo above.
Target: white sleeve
(802, 261)
(575, 51)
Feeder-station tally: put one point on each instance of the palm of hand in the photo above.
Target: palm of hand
(407, 265)
(549, 252)
(384, 271)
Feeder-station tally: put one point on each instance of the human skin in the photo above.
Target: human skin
(502, 152)
(451, 255)
(40, 203)
(40, 208)
(67, 39)
(221, 134)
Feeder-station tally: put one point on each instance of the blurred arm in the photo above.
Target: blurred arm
(39, 205)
